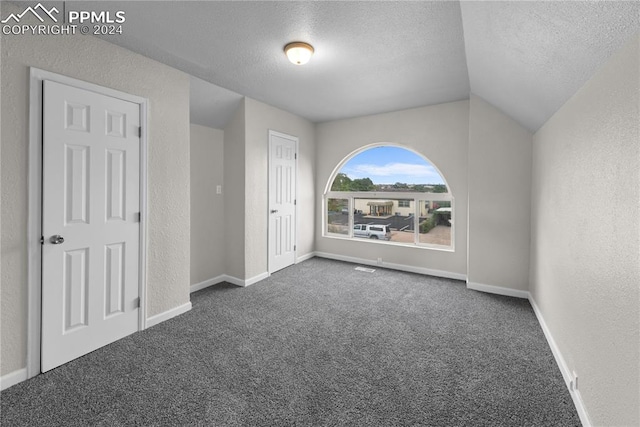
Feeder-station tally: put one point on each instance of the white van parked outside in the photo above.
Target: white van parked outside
(372, 231)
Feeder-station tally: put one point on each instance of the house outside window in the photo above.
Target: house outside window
(393, 187)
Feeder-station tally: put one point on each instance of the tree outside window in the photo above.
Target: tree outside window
(394, 187)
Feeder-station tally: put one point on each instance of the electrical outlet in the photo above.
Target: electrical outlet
(379, 261)
(573, 382)
(218, 189)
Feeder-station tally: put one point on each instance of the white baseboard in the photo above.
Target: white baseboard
(159, 318)
(13, 378)
(256, 279)
(562, 364)
(305, 257)
(394, 266)
(234, 280)
(207, 283)
(20, 375)
(240, 282)
(498, 290)
(244, 282)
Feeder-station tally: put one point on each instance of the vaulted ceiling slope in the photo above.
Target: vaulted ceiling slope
(526, 58)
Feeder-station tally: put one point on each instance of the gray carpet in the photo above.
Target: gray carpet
(318, 343)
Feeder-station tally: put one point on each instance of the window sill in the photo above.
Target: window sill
(391, 243)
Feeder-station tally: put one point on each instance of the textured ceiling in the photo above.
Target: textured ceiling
(526, 58)
(529, 58)
(370, 57)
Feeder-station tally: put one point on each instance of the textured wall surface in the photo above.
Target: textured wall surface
(95, 61)
(585, 252)
(234, 182)
(441, 134)
(260, 118)
(499, 198)
(207, 207)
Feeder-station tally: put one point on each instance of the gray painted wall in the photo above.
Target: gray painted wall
(585, 250)
(207, 207)
(485, 157)
(260, 118)
(246, 202)
(499, 198)
(441, 134)
(90, 59)
(234, 185)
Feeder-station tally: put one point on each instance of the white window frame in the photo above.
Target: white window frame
(418, 200)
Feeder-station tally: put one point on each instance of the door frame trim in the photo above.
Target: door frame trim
(34, 216)
(295, 209)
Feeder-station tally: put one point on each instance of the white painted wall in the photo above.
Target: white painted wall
(585, 250)
(90, 59)
(260, 118)
(234, 199)
(207, 207)
(499, 198)
(441, 134)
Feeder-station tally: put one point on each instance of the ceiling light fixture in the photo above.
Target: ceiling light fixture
(299, 53)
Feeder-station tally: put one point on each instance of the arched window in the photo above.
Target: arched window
(388, 193)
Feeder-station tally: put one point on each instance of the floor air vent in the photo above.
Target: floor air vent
(365, 269)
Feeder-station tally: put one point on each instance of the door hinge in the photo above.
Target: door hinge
(295, 156)
(42, 240)
(139, 216)
(140, 132)
(294, 247)
(295, 202)
(136, 303)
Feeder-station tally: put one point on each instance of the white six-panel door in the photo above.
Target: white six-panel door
(282, 200)
(90, 222)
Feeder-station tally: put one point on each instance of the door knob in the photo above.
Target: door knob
(56, 239)
(274, 210)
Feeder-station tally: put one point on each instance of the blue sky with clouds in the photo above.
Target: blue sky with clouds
(388, 165)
